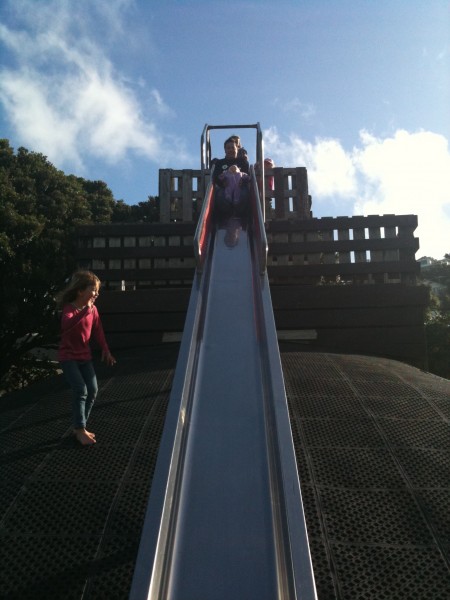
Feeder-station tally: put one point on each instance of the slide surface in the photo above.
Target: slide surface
(225, 517)
(224, 530)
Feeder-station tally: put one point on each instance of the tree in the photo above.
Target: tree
(437, 324)
(147, 211)
(40, 208)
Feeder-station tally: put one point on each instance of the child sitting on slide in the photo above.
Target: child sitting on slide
(233, 178)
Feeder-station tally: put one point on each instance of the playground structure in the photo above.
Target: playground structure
(340, 284)
(225, 517)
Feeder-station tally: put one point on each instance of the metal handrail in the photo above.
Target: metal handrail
(205, 153)
(203, 229)
(205, 142)
(258, 225)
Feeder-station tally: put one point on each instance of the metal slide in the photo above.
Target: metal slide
(225, 517)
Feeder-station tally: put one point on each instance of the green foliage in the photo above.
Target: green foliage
(147, 211)
(40, 208)
(438, 347)
(437, 324)
(27, 369)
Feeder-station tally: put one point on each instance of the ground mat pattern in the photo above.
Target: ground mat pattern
(71, 517)
(372, 440)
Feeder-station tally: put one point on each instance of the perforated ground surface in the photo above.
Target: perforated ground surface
(372, 440)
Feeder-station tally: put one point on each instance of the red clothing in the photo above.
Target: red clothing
(77, 327)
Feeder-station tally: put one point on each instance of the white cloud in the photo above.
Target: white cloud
(406, 173)
(25, 100)
(65, 98)
(295, 105)
(331, 172)
(159, 105)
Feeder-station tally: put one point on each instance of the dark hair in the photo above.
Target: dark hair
(235, 139)
(79, 282)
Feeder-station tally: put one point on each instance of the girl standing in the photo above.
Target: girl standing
(79, 321)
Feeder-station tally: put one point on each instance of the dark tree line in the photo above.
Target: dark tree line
(40, 209)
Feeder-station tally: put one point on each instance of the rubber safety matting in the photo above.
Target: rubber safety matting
(372, 440)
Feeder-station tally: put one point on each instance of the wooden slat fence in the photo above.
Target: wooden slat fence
(181, 194)
(344, 250)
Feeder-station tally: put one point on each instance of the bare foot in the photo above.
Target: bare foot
(83, 437)
(90, 434)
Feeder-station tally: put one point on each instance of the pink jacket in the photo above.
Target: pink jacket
(77, 327)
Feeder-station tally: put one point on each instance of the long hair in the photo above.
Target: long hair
(79, 282)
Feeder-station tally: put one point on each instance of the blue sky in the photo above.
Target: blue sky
(357, 91)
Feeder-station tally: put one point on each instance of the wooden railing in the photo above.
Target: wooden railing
(327, 251)
(344, 250)
(289, 197)
(132, 256)
(181, 194)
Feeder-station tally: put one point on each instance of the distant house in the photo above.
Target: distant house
(436, 287)
(426, 261)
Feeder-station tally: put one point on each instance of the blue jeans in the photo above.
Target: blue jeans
(80, 375)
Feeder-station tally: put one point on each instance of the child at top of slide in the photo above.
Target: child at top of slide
(232, 179)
